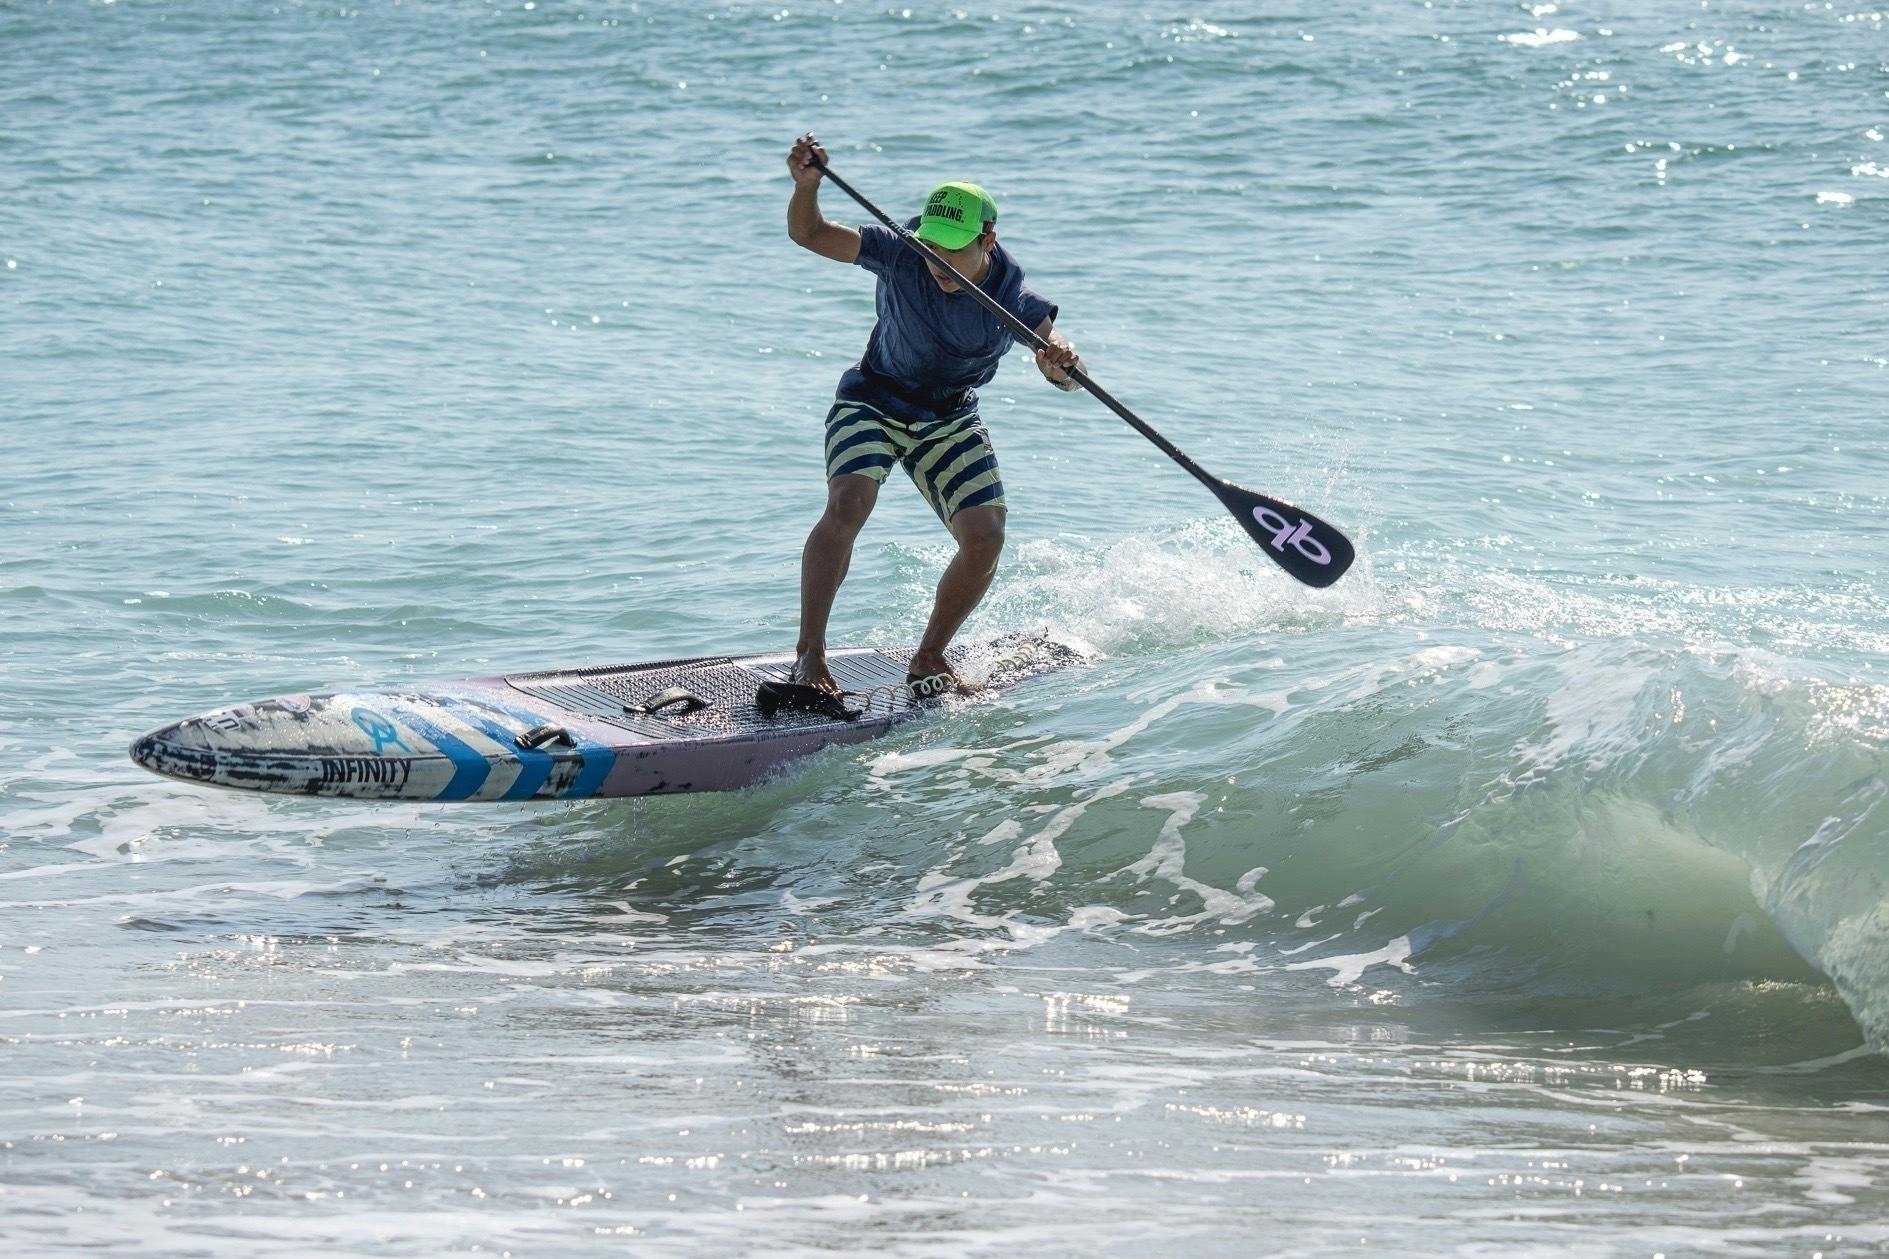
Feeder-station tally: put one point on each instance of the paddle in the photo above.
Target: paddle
(1295, 539)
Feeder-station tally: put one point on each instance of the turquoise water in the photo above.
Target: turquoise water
(1521, 894)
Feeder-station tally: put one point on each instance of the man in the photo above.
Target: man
(912, 400)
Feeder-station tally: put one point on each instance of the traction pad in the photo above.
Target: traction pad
(618, 694)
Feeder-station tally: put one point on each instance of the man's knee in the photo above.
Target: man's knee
(849, 501)
(980, 532)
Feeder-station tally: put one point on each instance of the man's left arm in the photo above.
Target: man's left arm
(1055, 359)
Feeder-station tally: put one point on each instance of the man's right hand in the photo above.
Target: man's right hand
(800, 160)
(806, 226)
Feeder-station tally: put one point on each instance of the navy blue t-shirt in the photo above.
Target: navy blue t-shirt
(931, 349)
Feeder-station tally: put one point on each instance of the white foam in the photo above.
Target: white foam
(1167, 860)
(1349, 968)
(1203, 581)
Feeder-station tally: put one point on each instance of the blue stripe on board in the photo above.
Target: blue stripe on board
(534, 766)
(598, 758)
(470, 769)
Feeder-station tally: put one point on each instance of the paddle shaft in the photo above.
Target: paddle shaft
(1025, 333)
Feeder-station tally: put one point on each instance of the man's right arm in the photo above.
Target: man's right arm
(805, 224)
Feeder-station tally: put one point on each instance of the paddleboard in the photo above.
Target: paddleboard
(617, 730)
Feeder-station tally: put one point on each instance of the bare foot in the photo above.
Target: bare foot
(811, 670)
(928, 664)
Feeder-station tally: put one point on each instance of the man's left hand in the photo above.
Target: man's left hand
(1054, 361)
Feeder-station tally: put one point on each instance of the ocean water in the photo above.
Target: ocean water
(1522, 894)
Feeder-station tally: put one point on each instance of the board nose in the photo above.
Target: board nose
(162, 753)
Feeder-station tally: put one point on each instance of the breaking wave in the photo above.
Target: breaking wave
(1361, 787)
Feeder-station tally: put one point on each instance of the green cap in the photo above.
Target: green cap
(955, 215)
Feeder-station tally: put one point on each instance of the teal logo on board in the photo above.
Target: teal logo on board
(380, 730)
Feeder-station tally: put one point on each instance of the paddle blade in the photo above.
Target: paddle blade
(1294, 538)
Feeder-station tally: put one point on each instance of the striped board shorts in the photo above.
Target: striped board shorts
(950, 460)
